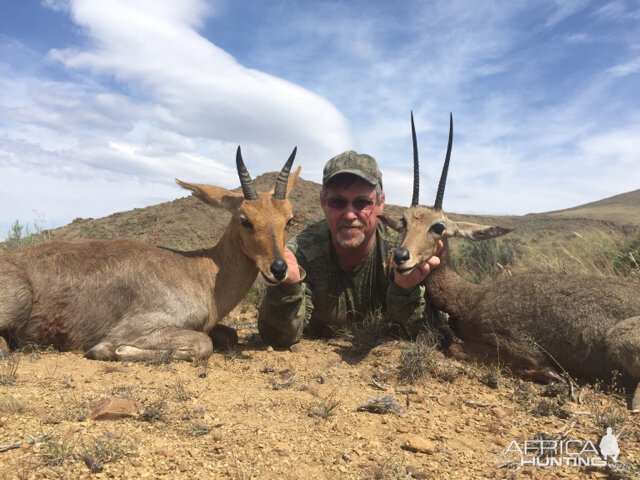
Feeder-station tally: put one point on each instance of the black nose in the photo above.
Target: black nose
(279, 269)
(401, 255)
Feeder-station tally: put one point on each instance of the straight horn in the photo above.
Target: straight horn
(443, 178)
(416, 169)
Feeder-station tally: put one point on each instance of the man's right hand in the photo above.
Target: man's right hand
(293, 271)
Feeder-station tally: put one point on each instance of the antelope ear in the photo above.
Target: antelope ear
(393, 223)
(293, 178)
(215, 196)
(475, 231)
(291, 182)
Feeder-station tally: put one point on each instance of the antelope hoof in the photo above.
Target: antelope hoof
(542, 375)
(223, 336)
(102, 351)
(456, 351)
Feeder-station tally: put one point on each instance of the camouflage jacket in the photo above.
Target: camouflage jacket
(329, 299)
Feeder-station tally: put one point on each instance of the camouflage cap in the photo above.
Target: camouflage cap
(364, 166)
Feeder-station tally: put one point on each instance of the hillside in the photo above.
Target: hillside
(187, 223)
(622, 208)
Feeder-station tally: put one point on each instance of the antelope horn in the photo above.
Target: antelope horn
(280, 190)
(416, 169)
(445, 169)
(248, 187)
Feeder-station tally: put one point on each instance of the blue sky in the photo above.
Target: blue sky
(104, 103)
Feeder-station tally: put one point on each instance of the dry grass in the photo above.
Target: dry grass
(10, 405)
(324, 407)
(418, 358)
(590, 251)
(9, 369)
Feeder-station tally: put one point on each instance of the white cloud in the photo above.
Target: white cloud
(180, 108)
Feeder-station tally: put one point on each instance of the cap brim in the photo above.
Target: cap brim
(358, 173)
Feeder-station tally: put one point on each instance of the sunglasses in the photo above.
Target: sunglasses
(358, 204)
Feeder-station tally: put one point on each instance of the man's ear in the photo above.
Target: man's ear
(393, 223)
(475, 231)
(216, 196)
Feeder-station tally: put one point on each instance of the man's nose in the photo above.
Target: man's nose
(349, 212)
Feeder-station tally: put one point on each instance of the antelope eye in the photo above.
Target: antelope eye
(289, 222)
(245, 223)
(437, 228)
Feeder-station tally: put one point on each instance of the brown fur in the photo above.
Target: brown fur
(127, 300)
(589, 326)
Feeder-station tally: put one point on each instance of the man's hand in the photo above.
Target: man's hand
(419, 273)
(293, 272)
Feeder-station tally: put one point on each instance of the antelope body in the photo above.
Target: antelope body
(587, 325)
(127, 300)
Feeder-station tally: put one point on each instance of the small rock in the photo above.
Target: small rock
(502, 412)
(4, 348)
(112, 408)
(446, 400)
(384, 404)
(283, 449)
(169, 453)
(94, 466)
(404, 428)
(295, 348)
(415, 472)
(415, 443)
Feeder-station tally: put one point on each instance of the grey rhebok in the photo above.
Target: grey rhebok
(128, 300)
(587, 325)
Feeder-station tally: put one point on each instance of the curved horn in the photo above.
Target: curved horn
(416, 169)
(248, 187)
(280, 190)
(445, 169)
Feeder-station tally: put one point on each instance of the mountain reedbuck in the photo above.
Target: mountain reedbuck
(127, 300)
(586, 325)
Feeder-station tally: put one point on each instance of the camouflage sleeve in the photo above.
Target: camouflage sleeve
(284, 312)
(407, 308)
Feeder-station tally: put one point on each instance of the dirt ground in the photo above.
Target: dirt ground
(252, 412)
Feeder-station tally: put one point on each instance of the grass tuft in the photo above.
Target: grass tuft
(418, 358)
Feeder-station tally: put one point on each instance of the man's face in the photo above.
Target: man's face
(352, 213)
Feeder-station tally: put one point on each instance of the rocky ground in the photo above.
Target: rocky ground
(342, 408)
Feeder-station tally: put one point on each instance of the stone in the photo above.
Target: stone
(415, 443)
(502, 412)
(112, 408)
(446, 400)
(415, 472)
(4, 348)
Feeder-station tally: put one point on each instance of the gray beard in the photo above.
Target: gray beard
(353, 241)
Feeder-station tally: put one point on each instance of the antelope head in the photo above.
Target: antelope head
(423, 227)
(261, 220)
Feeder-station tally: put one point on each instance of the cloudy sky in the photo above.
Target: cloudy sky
(104, 103)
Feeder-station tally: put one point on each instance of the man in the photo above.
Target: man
(337, 267)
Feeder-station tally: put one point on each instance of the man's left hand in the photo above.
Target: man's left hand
(419, 273)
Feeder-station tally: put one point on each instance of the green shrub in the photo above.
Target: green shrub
(485, 260)
(22, 236)
(627, 260)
